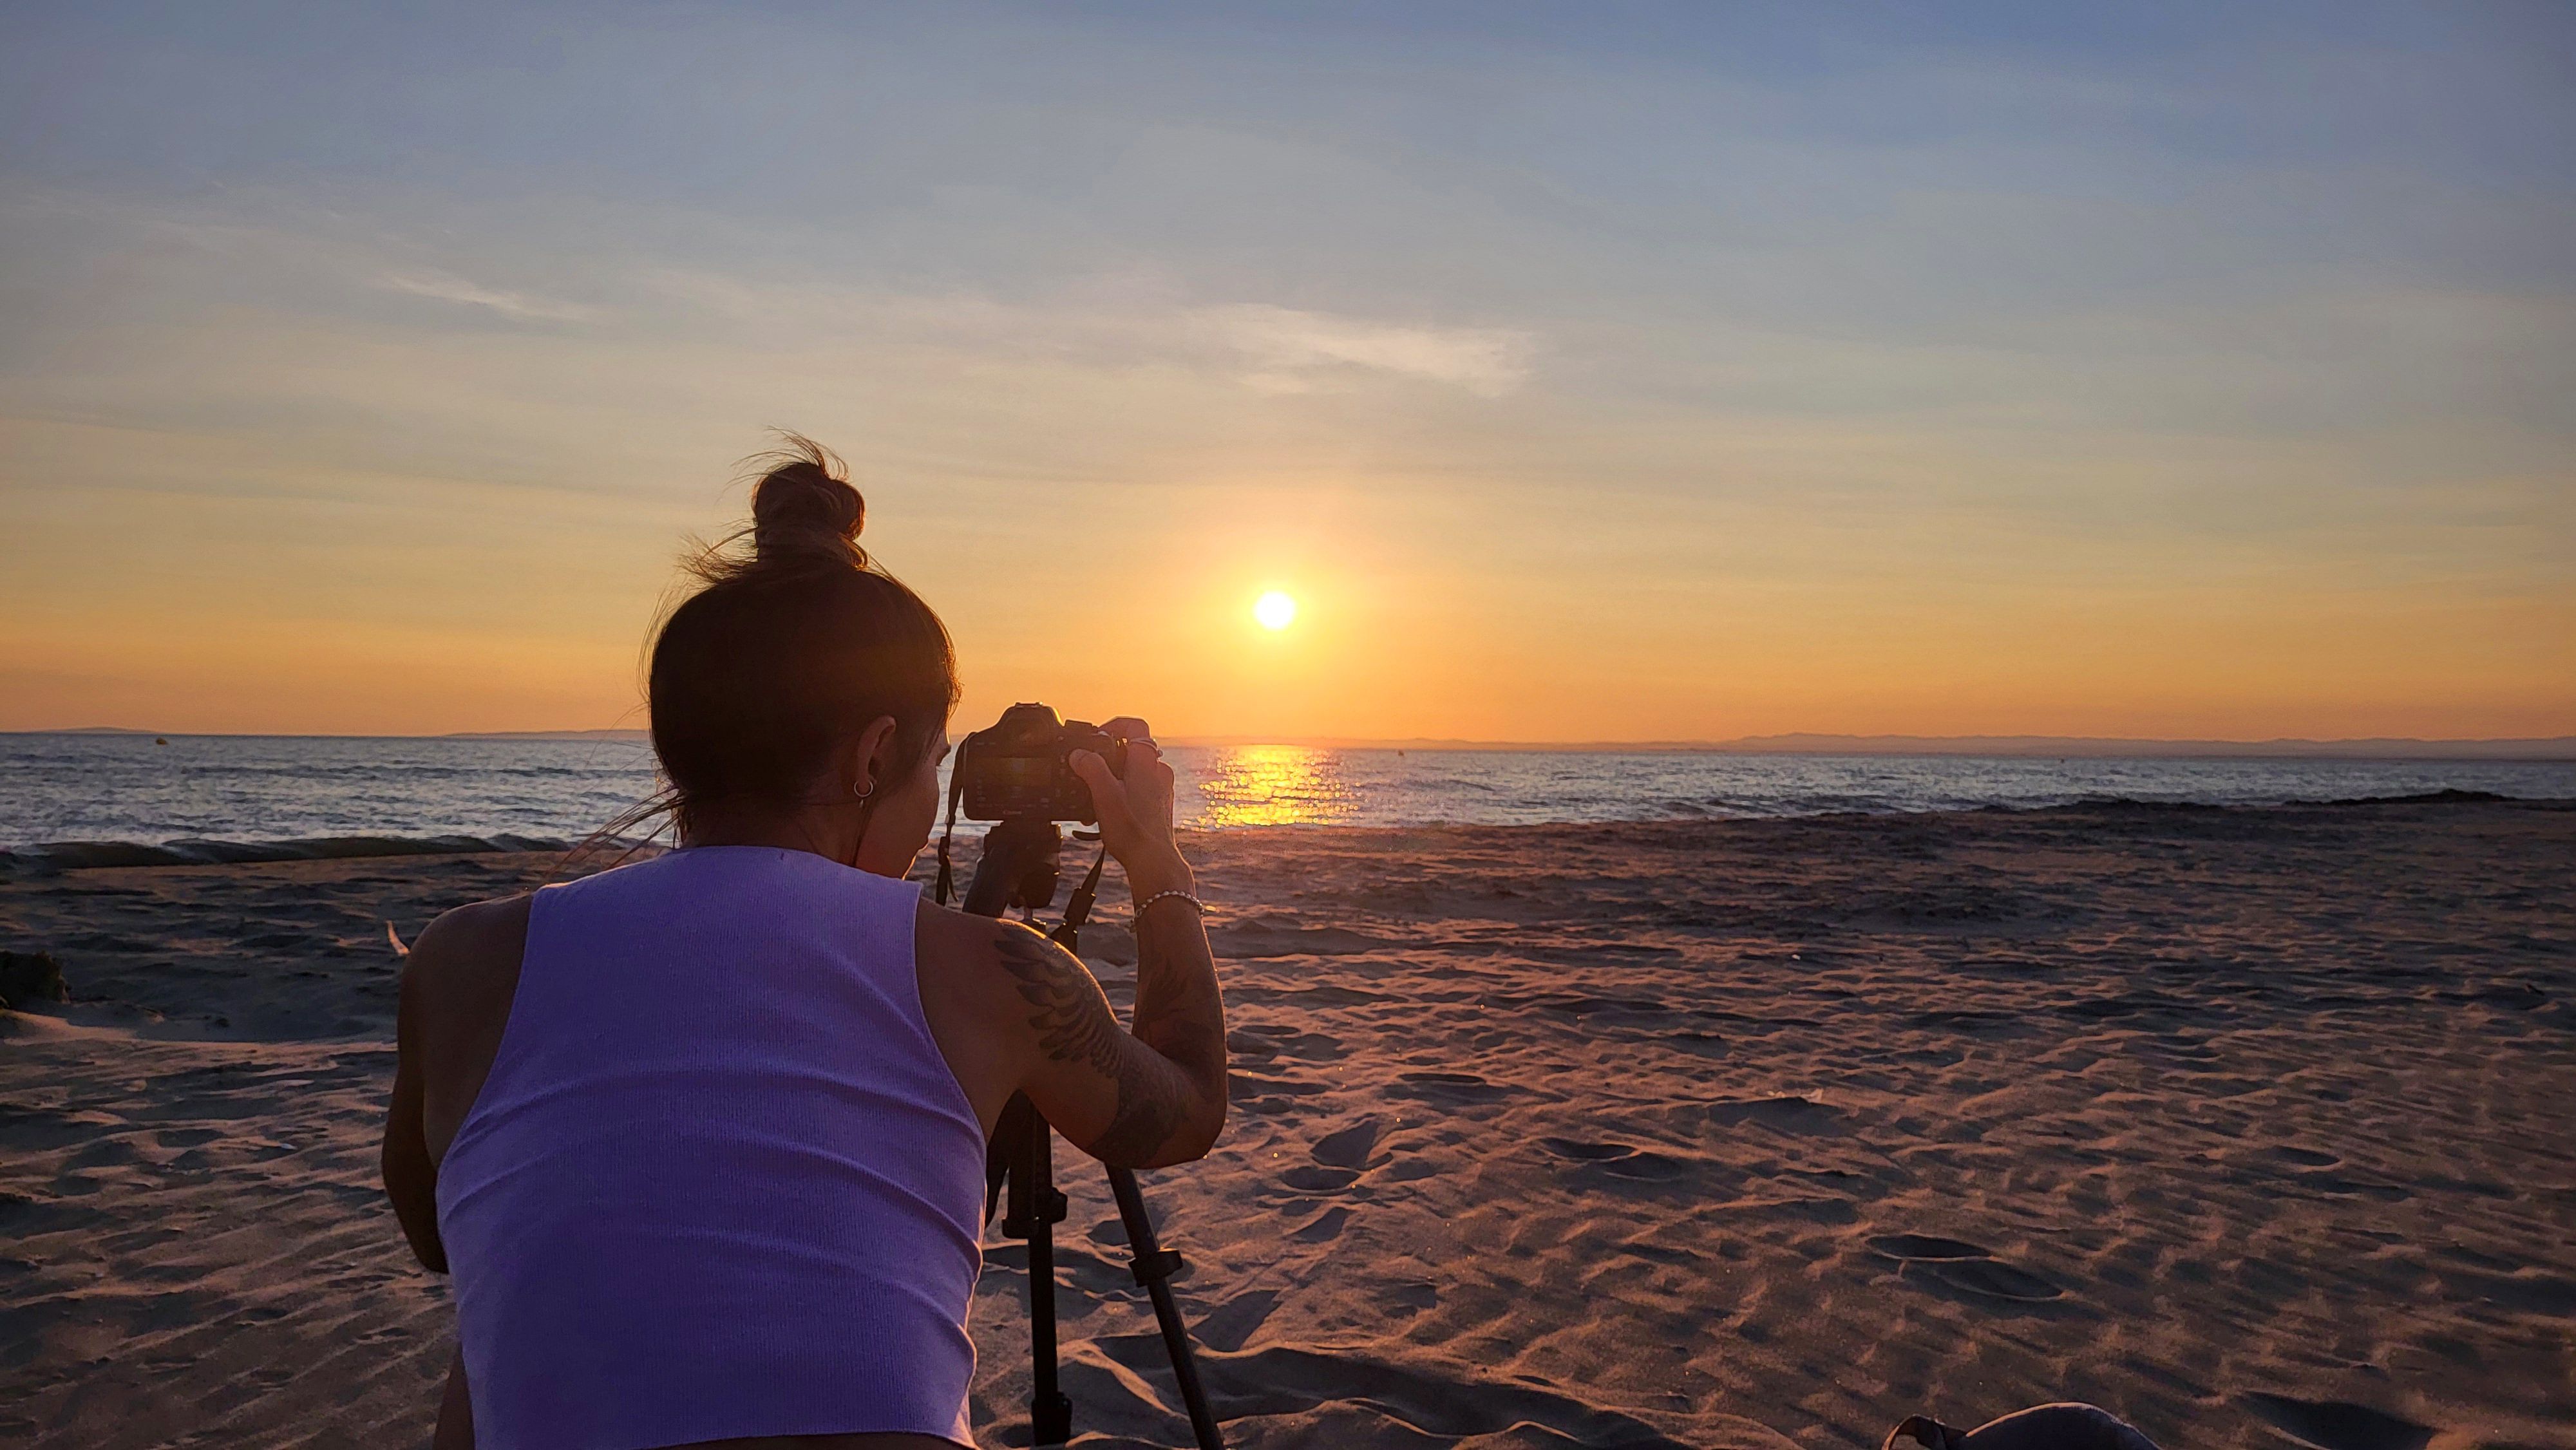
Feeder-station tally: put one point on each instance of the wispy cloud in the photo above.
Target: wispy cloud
(521, 306)
(1269, 348)
(1293, 351)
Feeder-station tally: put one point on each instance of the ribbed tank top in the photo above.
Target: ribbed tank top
(720, 1181)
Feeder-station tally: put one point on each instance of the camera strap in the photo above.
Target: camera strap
(1078, 909)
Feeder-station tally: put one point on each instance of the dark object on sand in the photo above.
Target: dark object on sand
(31, 977)
(2041, 1427)
(1019, 1172)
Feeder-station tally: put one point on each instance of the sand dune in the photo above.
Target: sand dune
(2250, 1125)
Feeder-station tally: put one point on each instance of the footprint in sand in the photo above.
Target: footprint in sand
(1703, 1044)
(1994, 1280)
(1318, 1179)
(1350, 1147)
(1780, 1114)
(1964, 1266)
(1588, 1152)
(2337, 1425)
(1323, 1227)
(1925, 1246)
(1269, 1042)
(1410, 1297)
(1255, 1093)
(1619, 1160)
(1229, 1324)
(26, 1216)
(1451, 1087)
(1086, 1273)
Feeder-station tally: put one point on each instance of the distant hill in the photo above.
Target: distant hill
(637, 735)
(2561, 747)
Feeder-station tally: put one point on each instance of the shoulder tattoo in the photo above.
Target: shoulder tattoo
(1070, 1016)
(1074, 1024)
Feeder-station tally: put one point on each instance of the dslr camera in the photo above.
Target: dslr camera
(1017, 768)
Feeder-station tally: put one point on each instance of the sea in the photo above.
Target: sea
(118, 797)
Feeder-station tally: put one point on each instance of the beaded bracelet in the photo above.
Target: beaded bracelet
(1197, 904)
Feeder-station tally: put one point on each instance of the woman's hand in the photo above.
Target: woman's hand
(1136, 812)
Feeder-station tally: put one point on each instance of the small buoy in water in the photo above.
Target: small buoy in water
(158, 740)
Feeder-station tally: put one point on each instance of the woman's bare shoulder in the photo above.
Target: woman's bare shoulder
(463, 969)
(970, 955)
(470, 941)
(972, 1004)
(944, 935)
(457, 986)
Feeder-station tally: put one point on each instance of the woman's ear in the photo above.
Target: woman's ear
(873, 766)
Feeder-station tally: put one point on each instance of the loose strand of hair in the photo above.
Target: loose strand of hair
(665, 810)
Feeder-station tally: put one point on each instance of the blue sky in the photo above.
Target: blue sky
(2070, 369)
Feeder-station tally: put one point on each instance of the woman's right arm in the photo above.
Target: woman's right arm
(1139, 1098)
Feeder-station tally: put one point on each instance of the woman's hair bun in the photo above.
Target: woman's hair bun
(803, 505)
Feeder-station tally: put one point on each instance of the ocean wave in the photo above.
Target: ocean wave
(1400, 805)
(2419, 798)
(79, 855)
(2133, 803)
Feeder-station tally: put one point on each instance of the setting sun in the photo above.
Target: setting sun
(1275, 610)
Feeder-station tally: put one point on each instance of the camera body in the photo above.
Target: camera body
(1017, 769)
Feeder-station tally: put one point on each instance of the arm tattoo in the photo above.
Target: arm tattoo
(1178, 1010)
(1072, 1019)
(1074, 1024)
(1150, 1108)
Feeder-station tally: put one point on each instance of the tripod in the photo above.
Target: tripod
(1019, 1171)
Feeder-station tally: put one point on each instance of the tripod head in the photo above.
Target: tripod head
(1018, 867)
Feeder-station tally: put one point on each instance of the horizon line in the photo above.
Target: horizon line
(2521, 748)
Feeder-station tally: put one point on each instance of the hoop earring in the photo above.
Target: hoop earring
(864, 791)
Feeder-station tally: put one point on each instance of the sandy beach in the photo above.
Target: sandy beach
(2252, 1125)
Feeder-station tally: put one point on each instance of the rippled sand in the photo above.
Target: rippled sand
(2248, 1124)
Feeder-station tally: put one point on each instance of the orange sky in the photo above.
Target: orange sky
(1650, 391)
(431, 605)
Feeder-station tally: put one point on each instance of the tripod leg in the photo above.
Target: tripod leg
(1050, 1412)
(1154, 1265)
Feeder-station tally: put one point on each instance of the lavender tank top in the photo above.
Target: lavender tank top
(720, 1181)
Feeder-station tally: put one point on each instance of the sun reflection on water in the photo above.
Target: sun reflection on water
(1272, 785)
